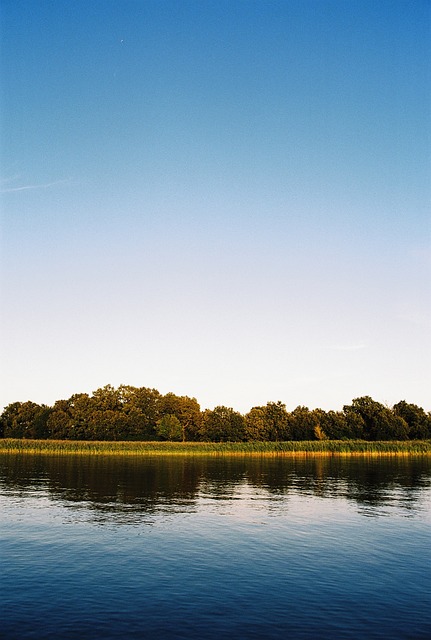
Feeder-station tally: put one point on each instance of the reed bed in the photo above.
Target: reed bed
(290, 448)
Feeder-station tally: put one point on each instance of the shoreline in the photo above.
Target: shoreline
(166, 448)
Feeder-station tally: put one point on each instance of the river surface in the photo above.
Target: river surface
(203, 548)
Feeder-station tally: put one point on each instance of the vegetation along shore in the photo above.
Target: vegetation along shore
(293, 448)
(139, 419)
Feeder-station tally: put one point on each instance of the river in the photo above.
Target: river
(211, 548)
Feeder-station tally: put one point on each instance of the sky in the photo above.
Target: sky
(228, 200)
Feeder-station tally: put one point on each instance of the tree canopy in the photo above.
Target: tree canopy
(140, 413)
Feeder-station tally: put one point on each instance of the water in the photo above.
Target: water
(215, 548)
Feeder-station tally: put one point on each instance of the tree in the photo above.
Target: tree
(255, 425)
(277, 421)
(107, 398)
(302, 424)
(418, 421)
(126, 413)
(142, 406)
(81, 410)
(25, 420)
(379, 421)
(60, 420)
(269, 422)
(222, 424)
(319, 434)
(8, 420)
(336, 426)
(169, 428)
(355, 423)
(186, 410)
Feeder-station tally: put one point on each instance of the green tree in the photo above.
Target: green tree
(267, 423)
(126, 413)
(25, 420)
(255, 425)
(60, 421)
(222, 424)
(302, 424)
(380, 423)
(82, 409)
(169, 428)
(277, 421)
(186, 410)
(355, 423)
(107, 398)
(336, 426)
(143, 409)
(419, 423)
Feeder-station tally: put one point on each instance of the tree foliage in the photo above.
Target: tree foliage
(418, 422)
(380, 423)
(222, 424)
(140, 413)
(169, 428)
(25, 420)
(268, 423)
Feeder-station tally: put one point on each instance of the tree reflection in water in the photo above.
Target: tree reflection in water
(129, 489)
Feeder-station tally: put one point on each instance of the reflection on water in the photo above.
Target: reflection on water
(210, 548)
(118, 487)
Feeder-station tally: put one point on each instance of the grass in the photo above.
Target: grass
(312, 447)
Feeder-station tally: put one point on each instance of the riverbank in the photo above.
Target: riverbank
(315, 447)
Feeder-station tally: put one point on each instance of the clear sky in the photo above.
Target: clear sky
(224, 199)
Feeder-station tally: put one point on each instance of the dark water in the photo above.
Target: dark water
(215, 548)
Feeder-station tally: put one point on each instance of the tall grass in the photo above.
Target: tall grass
(313, 447)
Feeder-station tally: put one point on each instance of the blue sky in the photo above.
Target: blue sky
(227, 200)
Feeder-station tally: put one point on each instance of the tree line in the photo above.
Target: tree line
(140, 413)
